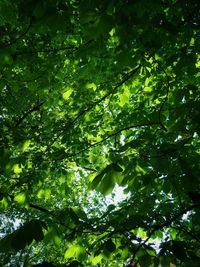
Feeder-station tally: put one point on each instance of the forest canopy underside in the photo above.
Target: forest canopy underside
(97, 95)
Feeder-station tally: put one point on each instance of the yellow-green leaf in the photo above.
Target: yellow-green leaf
(44, 193)
(20, 198)
(17, 169)
(40, 193)
(47, 193)
(147, 89)
(67, 93)
(147, 81)
(124, 98)
(74, 251)
(26, 145)
(95, 260)
(140, 169)
(56, 240)
(91, 86)
(141, 233)
(4, 203)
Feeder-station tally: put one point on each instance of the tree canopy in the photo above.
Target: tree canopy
(95, 95)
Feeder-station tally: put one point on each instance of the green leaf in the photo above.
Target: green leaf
(75, 251)
(95, 95)
(179, 250)
(17, 169)
(22, 237)
(110, 246)
(106, 186)
(141, 233)
(80, 213)
(145, 261)
(117, 168)
(96, 259)
(124, 98)
(67, 93)
(21, 198)
(91, 86)
(97, 180)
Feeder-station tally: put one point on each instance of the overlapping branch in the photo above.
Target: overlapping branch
(167, 92)
(167, 223)
(21, 35)
(114, 134)
(24, 116)
(39, 208)
(93, 105)
(71, 49)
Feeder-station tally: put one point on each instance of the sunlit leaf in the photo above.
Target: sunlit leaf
(17, 169)
(21, 198)
(99, 133)
(67, 93)
(74, 251)
(91, 86)
(96, 259)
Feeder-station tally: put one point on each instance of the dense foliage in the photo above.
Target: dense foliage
(94, 94)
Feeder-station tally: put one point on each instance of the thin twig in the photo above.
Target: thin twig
(21, 35)
(54, 50)
(30, 204)
(165, 224)
(167, 92)
(34, 108)
(92, 105)
(113, 135)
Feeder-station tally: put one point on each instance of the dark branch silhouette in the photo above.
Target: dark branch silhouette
(21, 35)
(33, 109)
(113, 135)
(92, 105)
(167, 223)
(53, 49)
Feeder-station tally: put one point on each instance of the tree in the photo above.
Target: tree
(96, 94)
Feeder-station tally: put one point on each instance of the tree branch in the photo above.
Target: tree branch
(21, 35)
(167, 93)
(114, 134)
(34, 108)
(92, 105)
(165, 224)
(54, 50)
(2, 194)
(188, 233)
